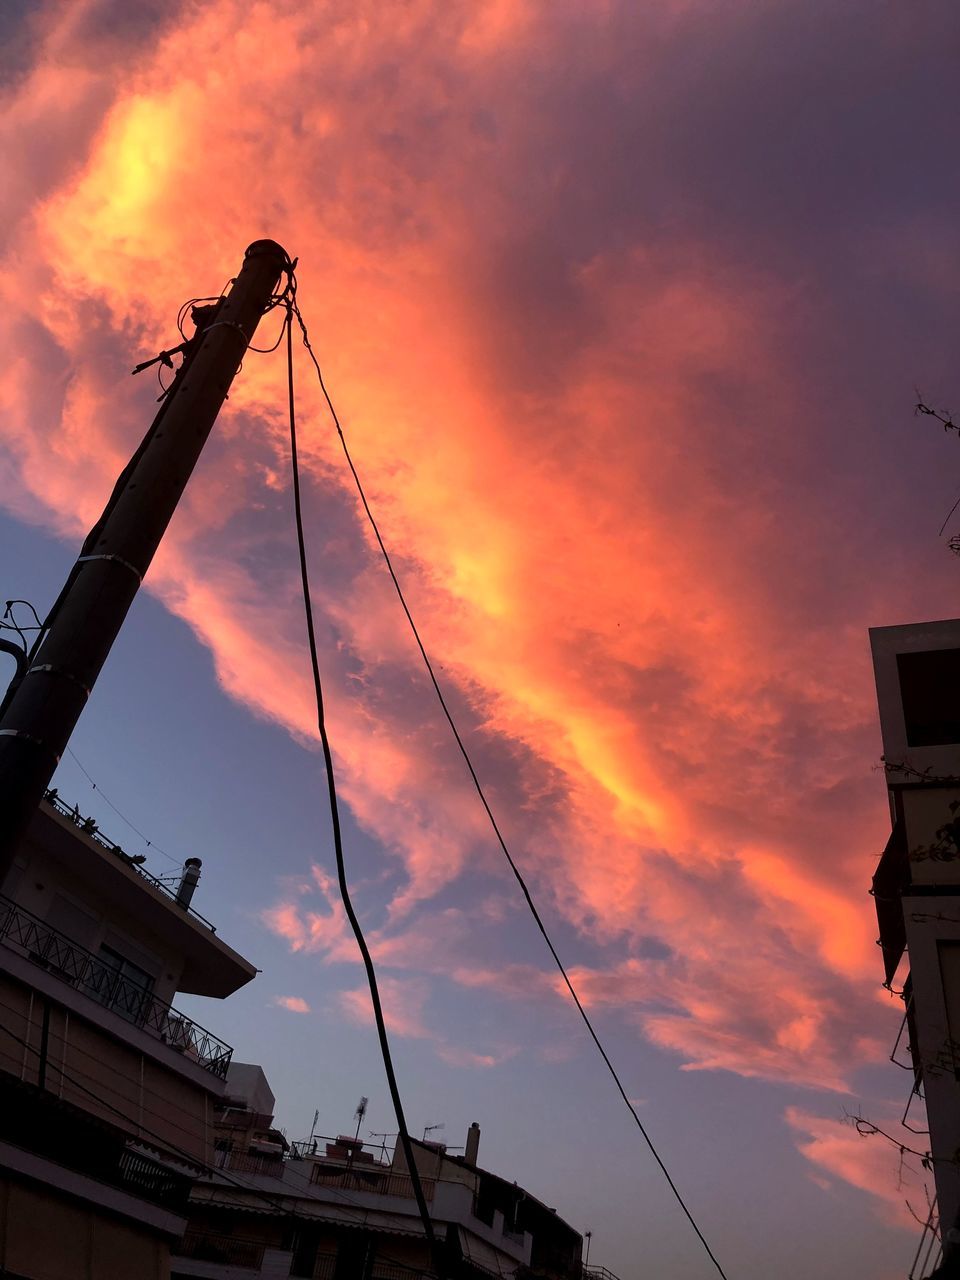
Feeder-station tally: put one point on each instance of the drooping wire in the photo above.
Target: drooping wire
(122, 816)
(478, 787)
(404, 1135)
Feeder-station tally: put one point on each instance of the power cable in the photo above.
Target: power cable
(368, 965)
(479, 787)
(123, 818)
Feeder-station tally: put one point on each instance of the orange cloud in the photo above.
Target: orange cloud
(403, 1004)
(555, 441)
(869, 1163)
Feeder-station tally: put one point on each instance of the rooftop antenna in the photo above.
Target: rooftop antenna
(360, 1112)
(383, 1144)
(430, 1128)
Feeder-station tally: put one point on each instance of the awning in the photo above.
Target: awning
(485, 1255)
(891, 878)
(348, 1214)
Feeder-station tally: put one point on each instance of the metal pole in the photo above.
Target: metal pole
(40, 716)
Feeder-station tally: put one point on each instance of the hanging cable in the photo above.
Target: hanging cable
(404, 1135)
(294, 307)
(122, 816)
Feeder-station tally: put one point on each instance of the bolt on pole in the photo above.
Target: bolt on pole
(40, 715)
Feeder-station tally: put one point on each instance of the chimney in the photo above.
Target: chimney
(473, 1144)
(188, 881)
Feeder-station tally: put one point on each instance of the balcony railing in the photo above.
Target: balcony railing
(381, 1182)
(244, 1162)
(208, 1247)
(86, 972)
(90, 828)
(43, 1124)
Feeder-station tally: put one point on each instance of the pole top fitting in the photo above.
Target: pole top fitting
(267, 249)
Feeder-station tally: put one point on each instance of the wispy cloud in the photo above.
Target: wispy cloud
(896, 1181)
(588, 429)
(294, 1004)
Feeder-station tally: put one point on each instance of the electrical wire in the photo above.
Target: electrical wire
(123, 818)
(482, 795)
(867, 1129)
(368, 965)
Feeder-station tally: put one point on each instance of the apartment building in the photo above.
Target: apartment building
(108, 1094)
(917, 883)
(341, 1209)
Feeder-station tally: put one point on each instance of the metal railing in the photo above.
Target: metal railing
(244, 1162)
(380, 1182)
(86, 972)
(144, 1177)
(325, 1268)
(598, 1273)
(396, 1271)
(208, 1247)
(36, 1121)
(90, 828)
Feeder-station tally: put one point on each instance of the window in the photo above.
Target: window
(930, 693)
(120, 985)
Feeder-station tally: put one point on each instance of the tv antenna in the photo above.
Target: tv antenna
(360, 1112)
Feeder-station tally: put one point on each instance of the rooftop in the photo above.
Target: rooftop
(122, 888)
(90, 828)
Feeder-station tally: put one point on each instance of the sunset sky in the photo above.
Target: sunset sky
(623, 305)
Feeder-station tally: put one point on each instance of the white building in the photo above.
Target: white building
(917, 884)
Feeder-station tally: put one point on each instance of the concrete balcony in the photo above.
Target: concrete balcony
(64, 854)
(47, 1140)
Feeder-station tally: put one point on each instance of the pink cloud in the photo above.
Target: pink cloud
(458, 1057)
(404, 1001)
(403, 1004)
(295, 1004)
(284, 921)
(871, 1164)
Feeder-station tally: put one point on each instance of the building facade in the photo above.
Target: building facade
(917, 883)
(108, 1094)
(339, 1209)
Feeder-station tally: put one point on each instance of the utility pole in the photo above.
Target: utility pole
(41, 713)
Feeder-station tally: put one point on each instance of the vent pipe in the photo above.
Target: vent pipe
(188, 882)
(472, 1148)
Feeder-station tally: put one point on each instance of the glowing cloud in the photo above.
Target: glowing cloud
(871, 1164)
(294, 1004)
(586, 431)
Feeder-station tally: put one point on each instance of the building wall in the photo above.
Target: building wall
(62, 897)
(933, 939)
(102, 1075)
(46, 1237)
